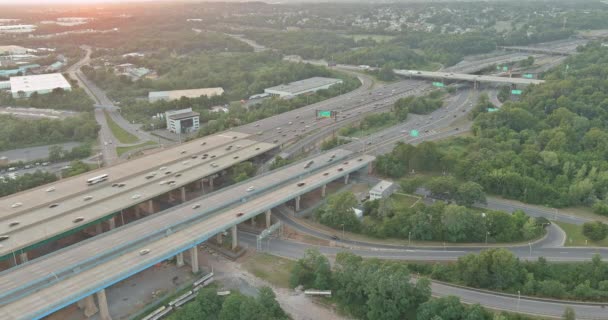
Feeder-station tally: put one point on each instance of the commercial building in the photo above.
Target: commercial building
(189, 93)
(382, 190)
(182, 121)
(302, 86)
(22, 87)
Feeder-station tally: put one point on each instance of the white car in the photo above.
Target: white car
(136, 196)
(251, 188)
(16, 205)
(50, 189)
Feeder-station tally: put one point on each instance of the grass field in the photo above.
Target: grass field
(576, 238)
(401, 200)
(273, 269)
(121, 134)
(121, 150)
(369, 131)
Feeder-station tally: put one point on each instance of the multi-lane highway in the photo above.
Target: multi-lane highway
(443, 76)
(52, 210)
(41, 299)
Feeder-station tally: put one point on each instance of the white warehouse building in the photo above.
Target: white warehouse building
(182, 121)
(23, 87)
(302, 86)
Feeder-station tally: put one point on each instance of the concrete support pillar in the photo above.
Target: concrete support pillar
(23, 257)
(298, 203)
(80, 304)
(210, 184)
(194, 259)
(323, 190)
(253, 221)
(89, 306)
(370, 168)
(179, 259)
(202, 187)
(112, 223)
(98, 228)
(219, 238)
(234, 237)
(138, 212)
(104, 311)
(150, 206)
(183, 191)
(268, 215)
(12, 260)
(346, 178)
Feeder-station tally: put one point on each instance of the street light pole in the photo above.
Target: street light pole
(518, 299)
(530, 244)
(409, 239)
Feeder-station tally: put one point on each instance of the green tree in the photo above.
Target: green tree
(595, 230)
(470, 192)
(339, 211)
(311, 271)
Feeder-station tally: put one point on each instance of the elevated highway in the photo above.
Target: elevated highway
(443, 76)
(79, 280)
(539, 50)
(74, 205)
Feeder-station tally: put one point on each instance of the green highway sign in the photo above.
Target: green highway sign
(516, 92)
(505, 68)
(324, 114)
(492, 109)
(414, 133)
(438, 84)
(528, 76)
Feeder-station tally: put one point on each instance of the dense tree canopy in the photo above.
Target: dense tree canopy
(45, 131)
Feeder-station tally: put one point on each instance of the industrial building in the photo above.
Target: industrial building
(382, 190)
(22, 87)
(182, 121)
(302, 86)
(189, 93)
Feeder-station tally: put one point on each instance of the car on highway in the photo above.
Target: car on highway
(335, 237)
(240, 214)
(196, 206)
(144, 252)
(251, 188)
(301, 184)
(16, 205)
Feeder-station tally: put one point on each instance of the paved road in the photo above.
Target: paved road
(295, 250)
(170, 240)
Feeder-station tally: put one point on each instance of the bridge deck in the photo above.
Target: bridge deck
(44, 223)
(60, 294)
(36, 197)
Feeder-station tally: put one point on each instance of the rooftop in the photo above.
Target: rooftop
(188, 93)
(304, 85)
(185, 115)
(381, 186)
(39, 82)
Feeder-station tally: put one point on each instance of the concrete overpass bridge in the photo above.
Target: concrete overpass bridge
(539, 50)
(39, 216)
(74, 274)
(476, 79)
